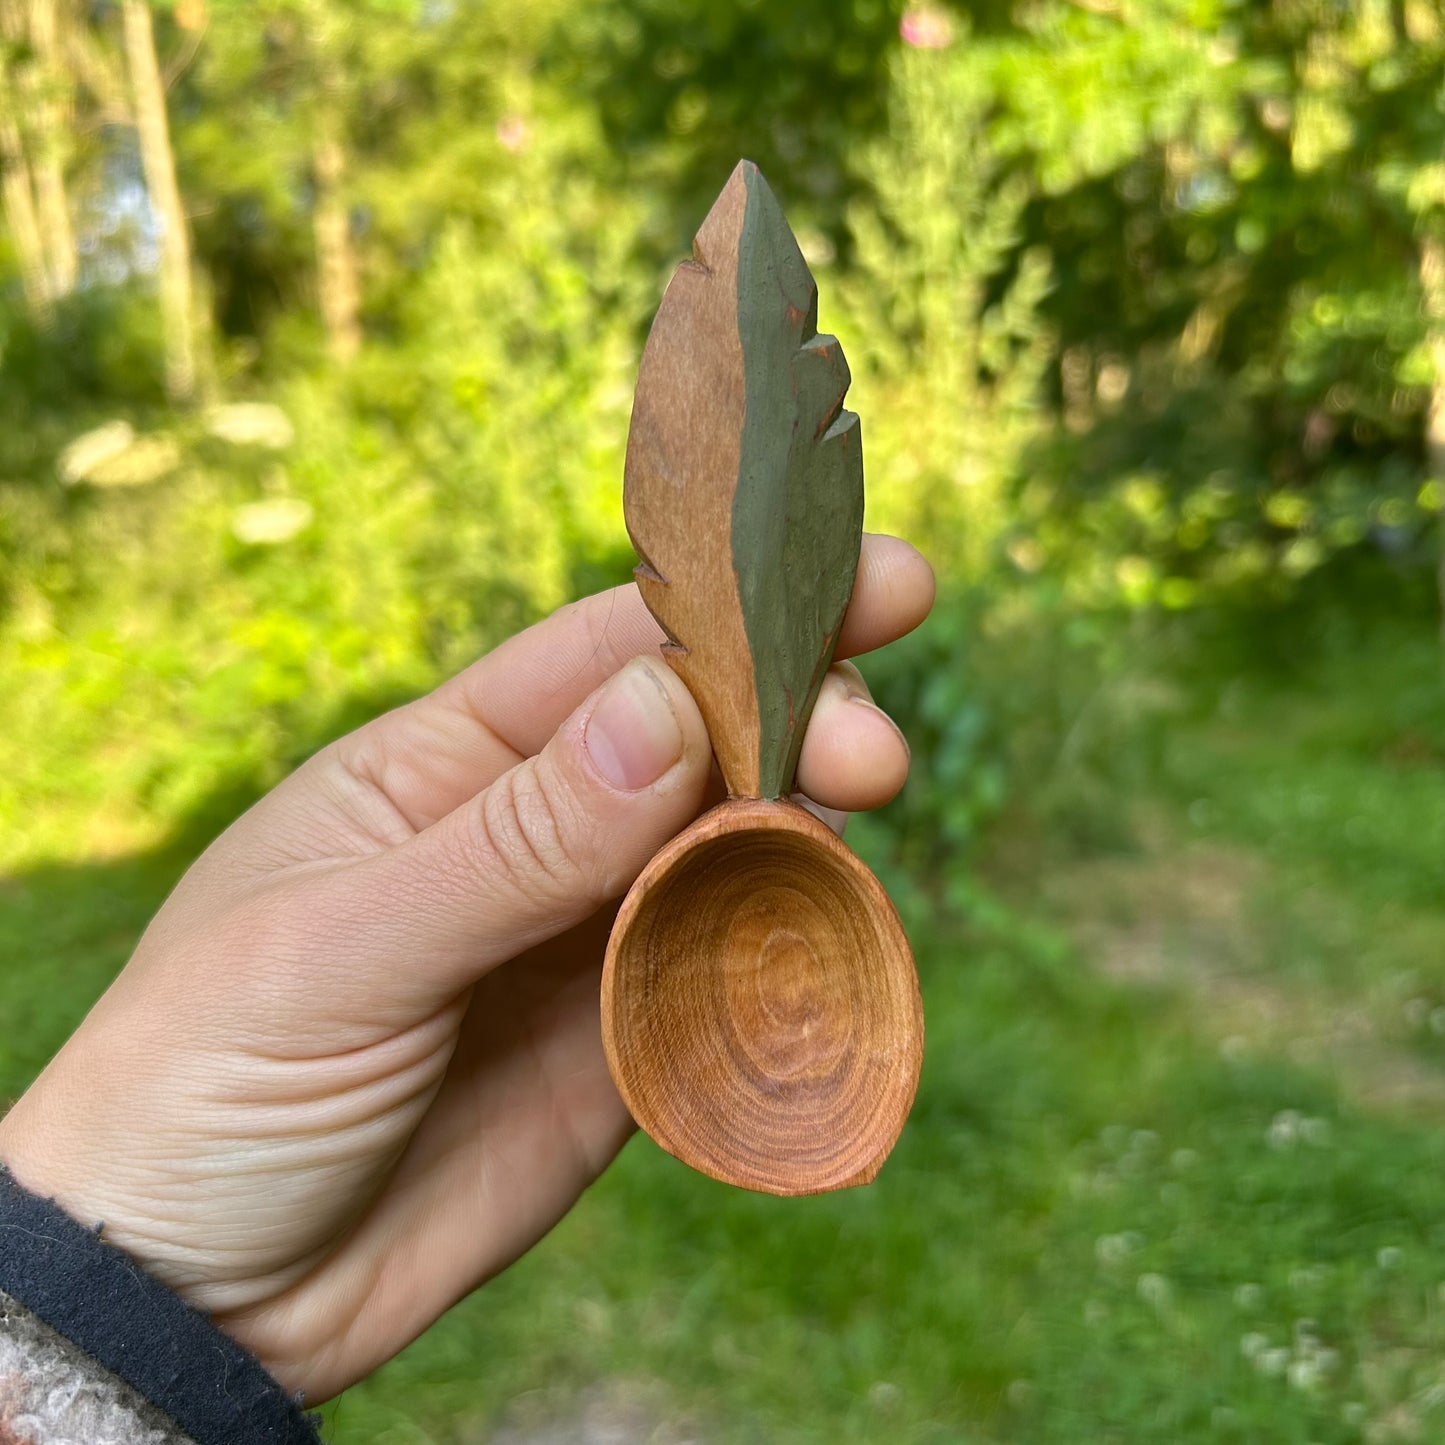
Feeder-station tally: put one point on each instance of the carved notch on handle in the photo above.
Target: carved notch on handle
(743, 487)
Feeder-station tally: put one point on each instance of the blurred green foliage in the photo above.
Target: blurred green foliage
(1138, 301)
(1145, 306)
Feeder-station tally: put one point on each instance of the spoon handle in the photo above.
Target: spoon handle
(743, 488)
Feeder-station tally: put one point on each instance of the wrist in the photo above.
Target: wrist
(82, 1308)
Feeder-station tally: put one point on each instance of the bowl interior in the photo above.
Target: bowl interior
(760, 1006)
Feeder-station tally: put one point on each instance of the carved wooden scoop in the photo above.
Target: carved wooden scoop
(759, 1005)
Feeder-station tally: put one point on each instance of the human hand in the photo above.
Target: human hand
(355, 1067)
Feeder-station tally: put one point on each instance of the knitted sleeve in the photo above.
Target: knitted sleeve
(93, 1349)
(52, 1391)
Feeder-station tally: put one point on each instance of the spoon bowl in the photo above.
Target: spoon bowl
(759, 1006)
(760, 1009)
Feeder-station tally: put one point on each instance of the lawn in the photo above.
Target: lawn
(1174, 1172)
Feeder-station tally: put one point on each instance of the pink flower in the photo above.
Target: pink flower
(926, 29)
(512, 133)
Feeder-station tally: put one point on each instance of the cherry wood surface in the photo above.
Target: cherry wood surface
(760, 1009)
(743, 486)
(763, 1017)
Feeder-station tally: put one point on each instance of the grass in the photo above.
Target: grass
(1163, 1180)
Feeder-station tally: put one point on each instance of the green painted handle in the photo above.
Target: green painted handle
(744, 485)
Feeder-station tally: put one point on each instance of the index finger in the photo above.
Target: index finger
(430, 756)
(524, 689)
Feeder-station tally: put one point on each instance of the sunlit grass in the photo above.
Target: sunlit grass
(1146, 1194)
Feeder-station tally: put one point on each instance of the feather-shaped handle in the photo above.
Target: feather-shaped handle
(744, 485)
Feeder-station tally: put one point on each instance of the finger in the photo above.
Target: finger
(427, 758)
(544, 846)
(893, 593)
(530, 683)
(854, 757)
(831, 817)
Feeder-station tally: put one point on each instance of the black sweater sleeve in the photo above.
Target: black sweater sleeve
(131, 1329)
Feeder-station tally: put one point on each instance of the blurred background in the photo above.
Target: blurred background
(318, 329)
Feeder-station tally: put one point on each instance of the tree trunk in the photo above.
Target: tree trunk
(1432, 284)
(16, 188)
(338, 280)
(20, 217)
(158, 161)
(51, 128)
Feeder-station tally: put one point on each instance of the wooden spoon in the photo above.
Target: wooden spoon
(760, 1009)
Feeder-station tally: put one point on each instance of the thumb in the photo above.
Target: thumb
(552, 839)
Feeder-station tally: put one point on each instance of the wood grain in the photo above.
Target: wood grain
(744, 485)
(680, 476)
(761, 1012)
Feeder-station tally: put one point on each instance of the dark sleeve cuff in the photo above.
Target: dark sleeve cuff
(100, 1300)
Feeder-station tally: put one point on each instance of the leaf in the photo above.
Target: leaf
(744, 485)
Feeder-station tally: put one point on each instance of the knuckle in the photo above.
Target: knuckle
(524, 826)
